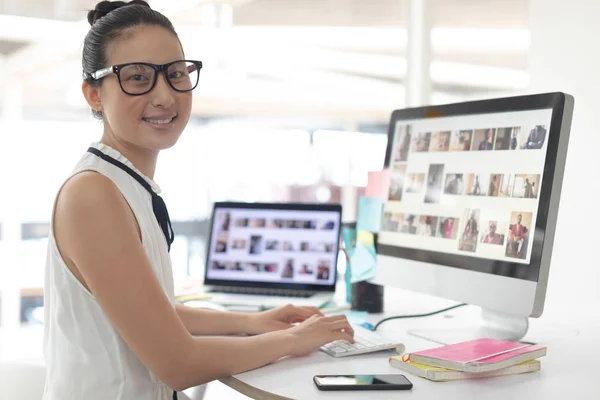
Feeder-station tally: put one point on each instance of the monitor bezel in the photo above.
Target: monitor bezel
(550, 188)
(274, 206)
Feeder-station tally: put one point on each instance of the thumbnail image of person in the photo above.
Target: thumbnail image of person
(397, 177)
(275, 224)
(287, 246)
(401, 143)
(427, 225)
(391, 222)
(272, 245)
(467, 140)
(503, 137)
(421, 142)
(238, 244)
(255, 244)
(441, 141)
(221, 246)
(492, 237)
(237, 266)
(241, 222)
(461, 140)
(435, 182)
(526, 186)
(487, 143)
(409, 225)
(258, 222)
(288, 269)
(218, 265)
(224, 221)
(506, 187)
(454, 184)
(415, 183)
(304, 246)
(306, 269)
(251, 267)
(514, 140)
(328, 226)
(518, 236)
(448, 228)
(310, 225)
(494, 188)
(536, 138)
(270, 267)
(387, 223)
(528, 189)
(323, 270)
(468, 241)
(478, 184)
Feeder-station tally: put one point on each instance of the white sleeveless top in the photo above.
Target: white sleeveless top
(85, 356)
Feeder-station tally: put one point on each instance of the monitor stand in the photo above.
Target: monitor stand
(493, 325)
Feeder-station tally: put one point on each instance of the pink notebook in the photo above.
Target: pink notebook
(478, 355)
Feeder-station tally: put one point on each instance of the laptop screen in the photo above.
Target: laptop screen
(274, 245)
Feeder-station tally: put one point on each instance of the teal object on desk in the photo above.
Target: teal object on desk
(370, 213)
(348, 281)
(363, 263)
(354, 317)
(349, 238)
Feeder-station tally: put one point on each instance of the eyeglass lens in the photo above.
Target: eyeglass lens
(139, 78)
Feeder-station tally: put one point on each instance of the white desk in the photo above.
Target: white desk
(567, 372)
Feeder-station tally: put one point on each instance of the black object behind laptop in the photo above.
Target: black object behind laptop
(271, 254)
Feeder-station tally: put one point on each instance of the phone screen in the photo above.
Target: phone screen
(398, 381)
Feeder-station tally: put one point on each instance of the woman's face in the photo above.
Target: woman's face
(132, 120)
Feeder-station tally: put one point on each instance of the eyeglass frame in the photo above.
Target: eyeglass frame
(116, 69)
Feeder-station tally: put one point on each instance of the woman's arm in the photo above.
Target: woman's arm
(199, 321)
(97, 236)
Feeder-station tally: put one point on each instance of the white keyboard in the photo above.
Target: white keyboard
(365, 341)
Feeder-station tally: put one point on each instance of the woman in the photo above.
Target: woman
(113, 329)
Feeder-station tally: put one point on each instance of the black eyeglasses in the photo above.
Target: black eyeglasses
(139, 78)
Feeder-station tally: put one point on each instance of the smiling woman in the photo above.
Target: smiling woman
(113, 328)
(118, 73)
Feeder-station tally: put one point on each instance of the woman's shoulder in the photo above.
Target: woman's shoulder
(86, 192)
(90, 209)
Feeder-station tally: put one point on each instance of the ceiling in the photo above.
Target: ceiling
(507, 14)
(337, 59)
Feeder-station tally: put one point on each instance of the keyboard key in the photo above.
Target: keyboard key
(365, 341)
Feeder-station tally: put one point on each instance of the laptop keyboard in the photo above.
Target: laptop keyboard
(264, 291)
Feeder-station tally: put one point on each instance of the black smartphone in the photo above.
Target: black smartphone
(362, 382)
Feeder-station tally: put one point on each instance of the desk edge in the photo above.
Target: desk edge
(251, 391)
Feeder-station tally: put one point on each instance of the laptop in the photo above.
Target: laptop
(267, 255)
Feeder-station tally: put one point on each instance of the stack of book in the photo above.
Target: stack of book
(480, 358)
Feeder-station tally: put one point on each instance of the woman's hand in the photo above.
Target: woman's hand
(317, 331)
(279, 318)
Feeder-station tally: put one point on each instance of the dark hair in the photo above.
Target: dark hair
(109, 20)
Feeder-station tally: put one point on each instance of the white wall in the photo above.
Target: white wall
(565, 56)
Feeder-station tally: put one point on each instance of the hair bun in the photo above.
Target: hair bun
(105, 7)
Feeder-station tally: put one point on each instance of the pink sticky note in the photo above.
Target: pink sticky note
(378, 184)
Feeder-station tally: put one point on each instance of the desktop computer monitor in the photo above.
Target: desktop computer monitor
(472, 207)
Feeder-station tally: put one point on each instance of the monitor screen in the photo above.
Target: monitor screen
(297, 247)
(467, 186)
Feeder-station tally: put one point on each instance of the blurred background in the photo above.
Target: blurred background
(293, 105)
